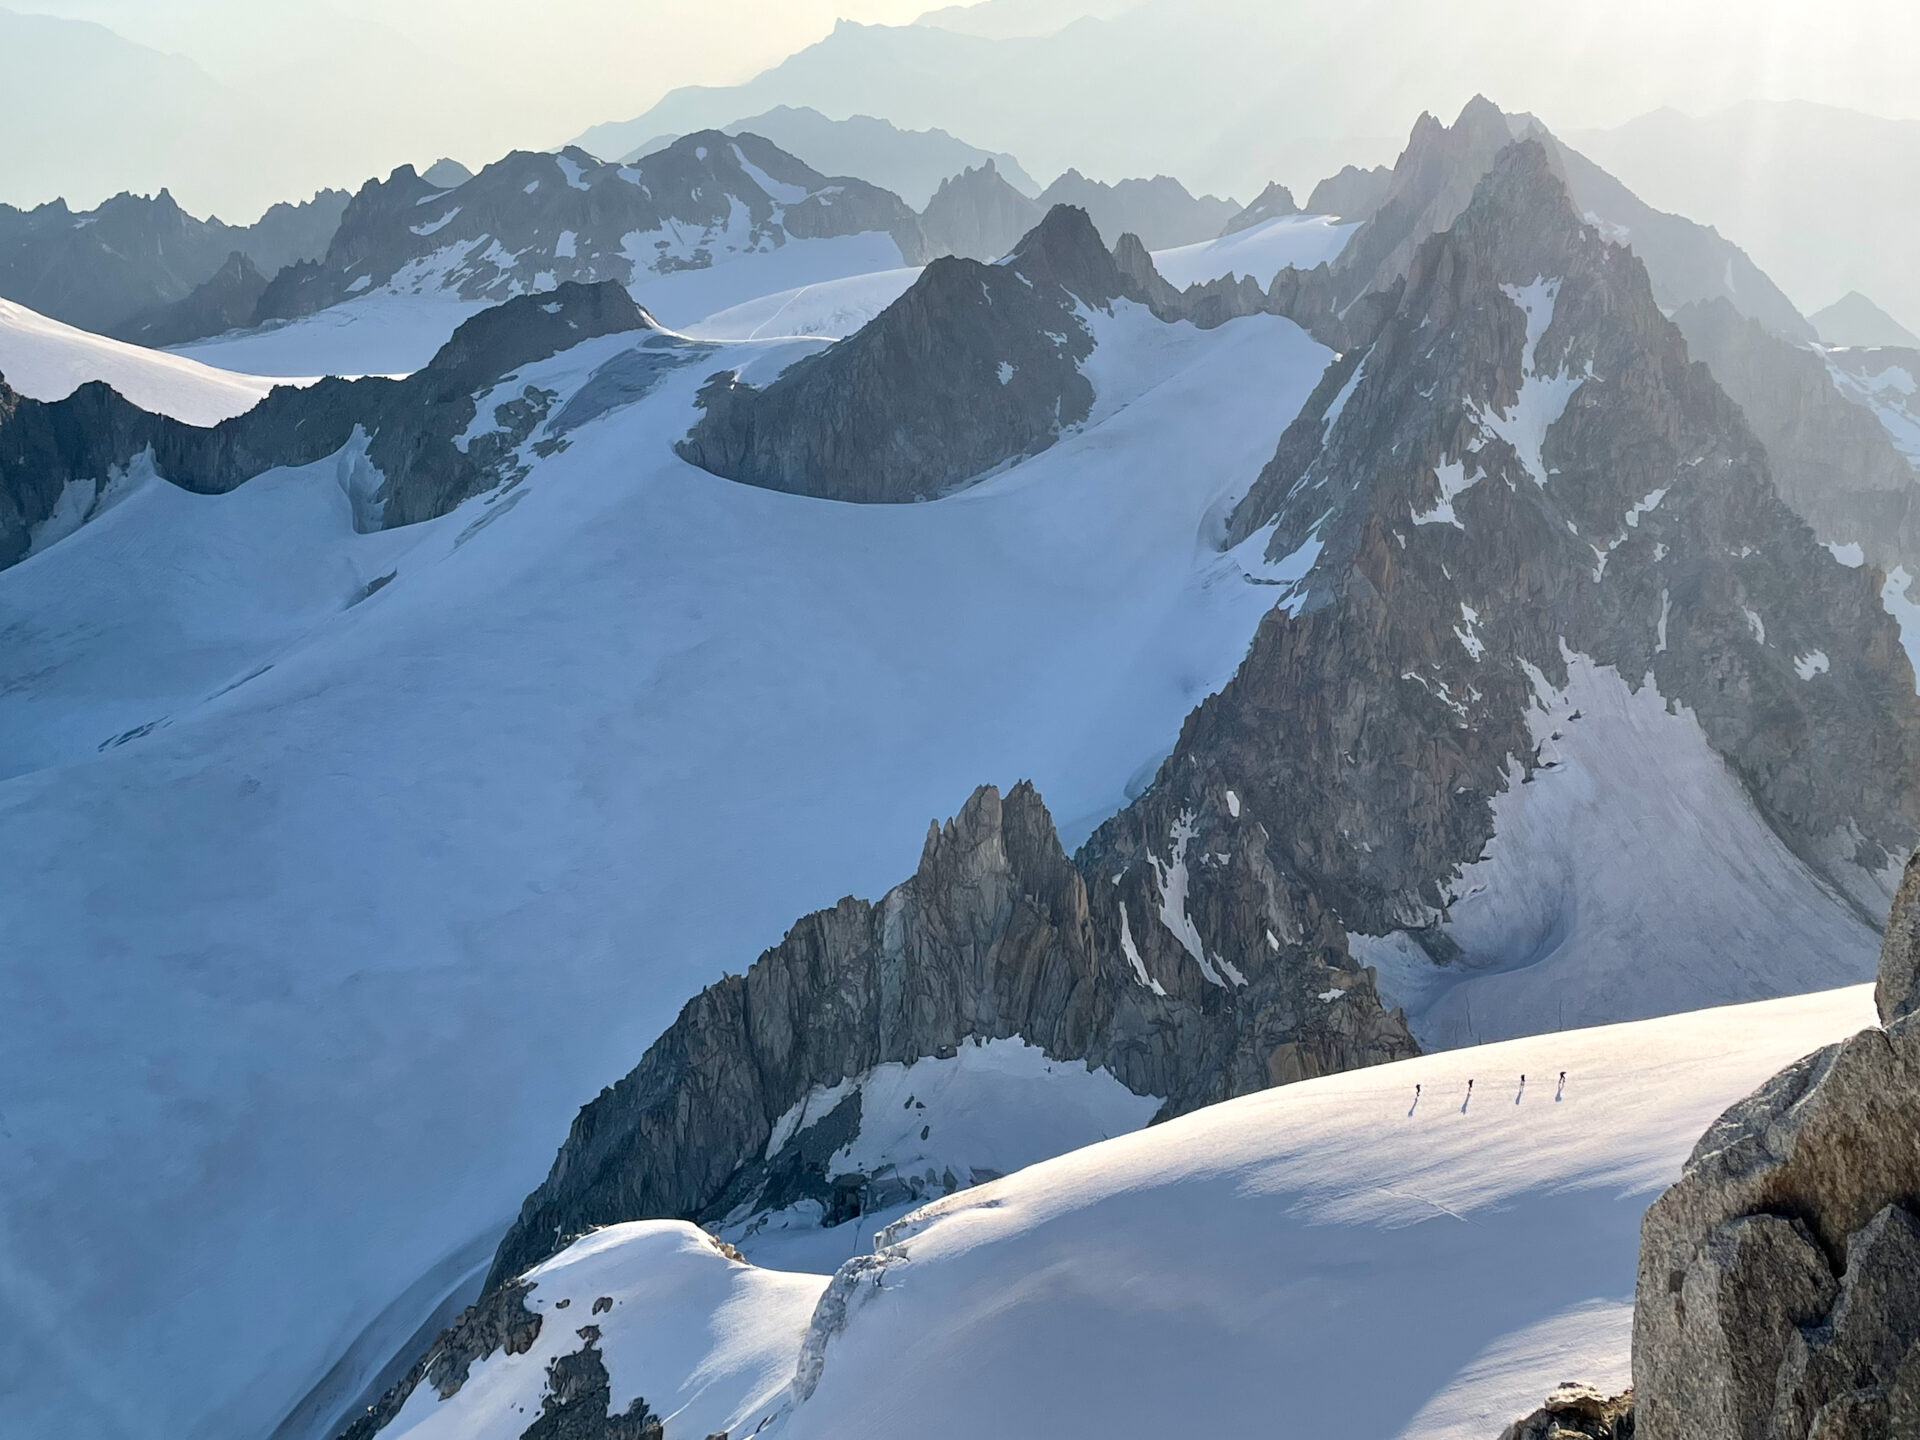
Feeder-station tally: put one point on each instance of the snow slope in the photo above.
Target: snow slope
(1262, 250)
(1328, 1258)
(46, 360)
(395, 329)
(321, 957)
(832, 309)
(1632, 876)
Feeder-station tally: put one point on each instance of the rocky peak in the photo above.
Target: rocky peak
(977, 214)
(1353, 194)
(1273, 202)
(1161, 211)
(1433, 180)
(532, 327)
(973, 366)
(1065, 250)
(1441, 168)
(1521, 466)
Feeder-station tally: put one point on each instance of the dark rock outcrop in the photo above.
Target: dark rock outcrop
(977, 215)
(974, 366)
(1577, 1412)
(998, 934)
(1779, 1285)
(499, 1320)
(416, 470)
(226, 301)
(1160, 211)
(109, 268)
(1272, 203)
(1832, 460)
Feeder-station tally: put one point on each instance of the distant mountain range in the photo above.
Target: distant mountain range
(911, 163)
(110, 269)
(1810, 191)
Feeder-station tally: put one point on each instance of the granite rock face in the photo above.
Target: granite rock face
(414, 469)
(998, 934)
(1577, 1412)
(1779, 1286)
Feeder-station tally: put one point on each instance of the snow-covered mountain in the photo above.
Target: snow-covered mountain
(355, 817)
(709, 221)
(1408, 638)
(1515, 713)
(108, 269)
(911, 163)
(1372, 1254)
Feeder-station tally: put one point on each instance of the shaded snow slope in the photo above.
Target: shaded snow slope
(1630, 876)
(46, 360)
(1262, 250)
(396, 328)
(1330, 1257)
(300, 999)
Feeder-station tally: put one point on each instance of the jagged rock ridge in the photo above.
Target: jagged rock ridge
(424, 451)
(111, 268)
(977, 215)
(998, 934)
(1833, 461)
(533, 220)
(1160, 211)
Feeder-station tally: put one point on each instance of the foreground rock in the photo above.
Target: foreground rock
(1779, 1285)
(1577, 1412)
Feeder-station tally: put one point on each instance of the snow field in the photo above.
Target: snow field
(1632, 877)
(46, 360)
(1261, 251)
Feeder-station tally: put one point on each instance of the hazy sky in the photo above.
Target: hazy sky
(310, 92)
